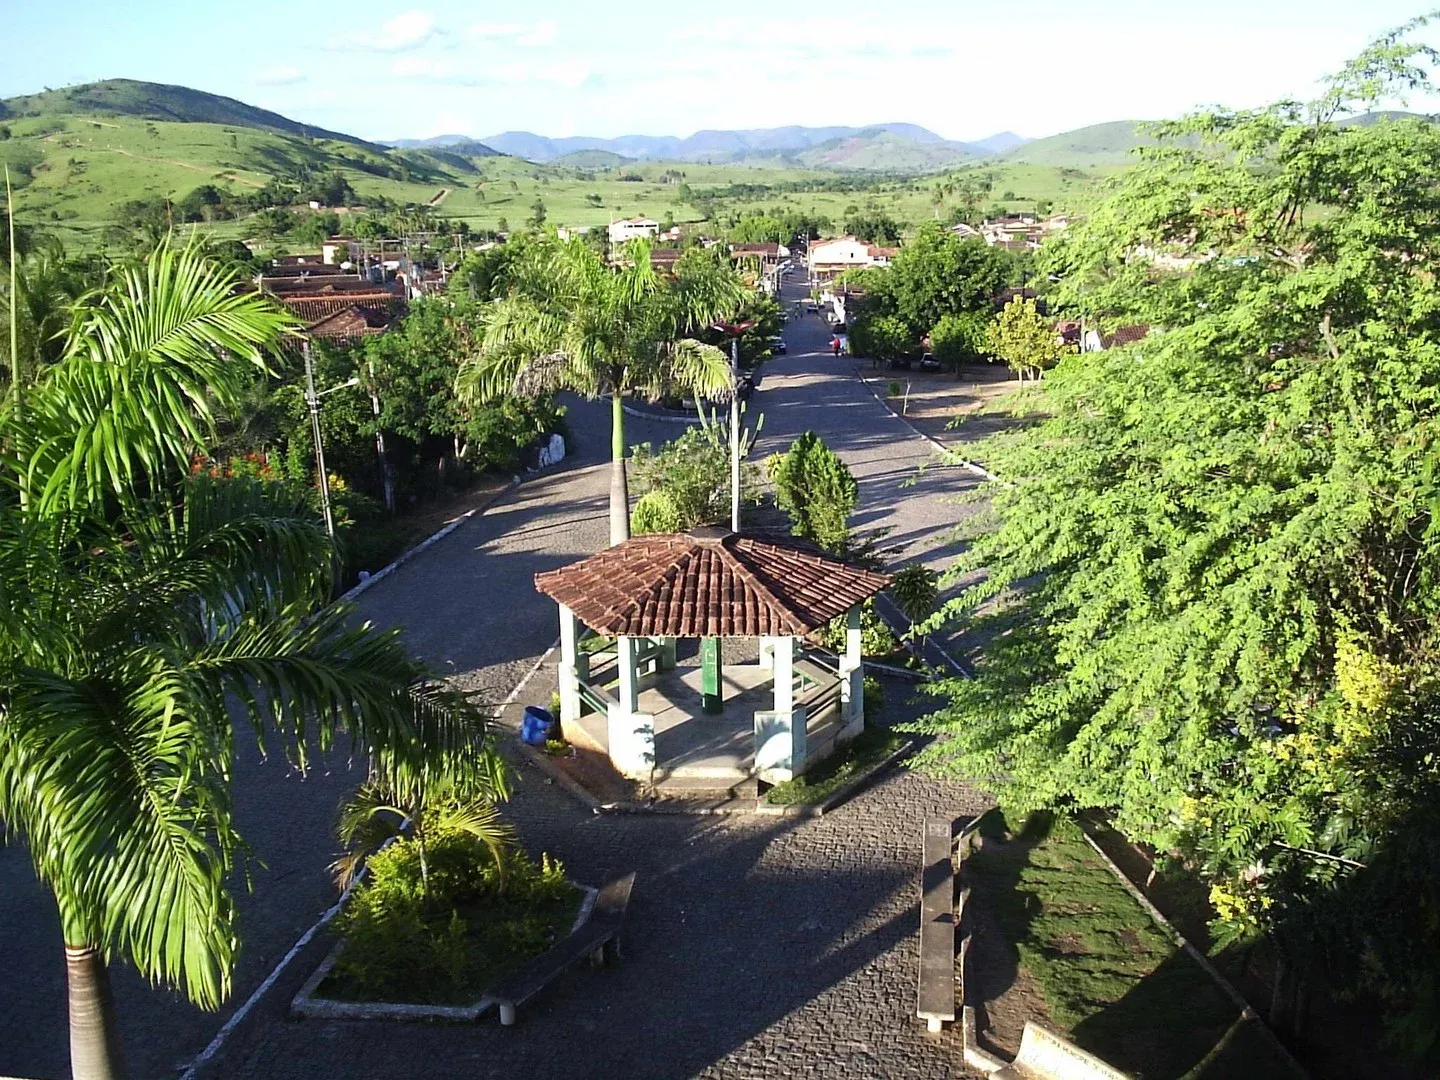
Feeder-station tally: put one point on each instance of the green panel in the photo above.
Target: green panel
(711, 690)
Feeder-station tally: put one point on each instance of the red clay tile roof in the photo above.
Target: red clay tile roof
(709, 583)
(1124, 335)
(313, 308)
(354, 321)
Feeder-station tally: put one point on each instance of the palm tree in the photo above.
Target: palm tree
(142, 618)
(569, 321)
(436, 800)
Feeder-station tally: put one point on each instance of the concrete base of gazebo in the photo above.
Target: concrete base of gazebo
(692, 746)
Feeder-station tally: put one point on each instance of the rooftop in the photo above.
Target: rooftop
(709, 583)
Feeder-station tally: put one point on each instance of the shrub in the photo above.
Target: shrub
(876, 638)
(874, 698)
(957, 338)
(401, 944)
(915, 589)
(893, 390)
(655, 513)
(817, 490)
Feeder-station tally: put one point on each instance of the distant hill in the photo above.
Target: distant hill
(591, 159)
(885, 151)
(1098, 144)
(713, 145)
(158, 101)
(1001, 142)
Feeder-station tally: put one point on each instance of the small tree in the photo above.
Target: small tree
(957, 338)
(1024, 340)
(916, 590)
(817, 490)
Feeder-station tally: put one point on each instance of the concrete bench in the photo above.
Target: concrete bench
(599, 939)
(1046, 1056)
(935, 998)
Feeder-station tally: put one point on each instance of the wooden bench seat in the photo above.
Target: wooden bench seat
(598, 939)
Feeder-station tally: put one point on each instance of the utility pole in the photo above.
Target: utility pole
(312, 402)
(385, 478)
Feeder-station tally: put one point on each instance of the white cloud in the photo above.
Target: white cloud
(536, 35)
(280, 76)
(408, 30)
(420, 67)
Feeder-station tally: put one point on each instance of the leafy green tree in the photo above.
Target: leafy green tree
(1024, 339)
(957, 338)
(937, 274)
(142, 619)
(875, 228)
(537, 214)
(817, 490)
(570, 321)
(1214, 562)
(881, 337)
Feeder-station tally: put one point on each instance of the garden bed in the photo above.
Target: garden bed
(1108, 975)
(403, 959)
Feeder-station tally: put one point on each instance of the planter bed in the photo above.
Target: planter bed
(328, 995)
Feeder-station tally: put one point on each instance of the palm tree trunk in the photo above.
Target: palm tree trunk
(94, 1037)
(619, 485)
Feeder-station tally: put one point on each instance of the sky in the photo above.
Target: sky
(963, 68)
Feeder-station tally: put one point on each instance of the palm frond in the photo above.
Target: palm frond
(145, 367)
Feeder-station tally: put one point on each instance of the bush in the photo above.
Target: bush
(817, 490)
(877, 640)
(404, 944)
(689, 478)
(893, 390)
(874, 698)
(655, 513)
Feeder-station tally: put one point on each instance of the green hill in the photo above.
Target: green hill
(157, 101)
(592, 159)
(1099, 144)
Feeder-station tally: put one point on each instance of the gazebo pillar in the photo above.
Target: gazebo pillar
(569, 669)
(852, 679)
(631, 732)
(780, 735)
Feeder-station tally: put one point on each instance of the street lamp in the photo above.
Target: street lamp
(312, 402)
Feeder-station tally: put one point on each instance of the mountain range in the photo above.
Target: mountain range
(834, 145)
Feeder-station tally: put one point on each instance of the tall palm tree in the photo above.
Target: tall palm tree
(144, 618)
(570, 321)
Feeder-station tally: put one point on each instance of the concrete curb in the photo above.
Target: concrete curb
(307, 1005)
(978, 470)
(430, 541)
(1247, 1011)
(642, 414)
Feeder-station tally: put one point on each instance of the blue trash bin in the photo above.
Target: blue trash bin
(537, 725)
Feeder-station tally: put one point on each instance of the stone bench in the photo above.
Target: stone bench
(598, 939)
(935, 997)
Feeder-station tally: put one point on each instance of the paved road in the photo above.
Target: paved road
(760, 949)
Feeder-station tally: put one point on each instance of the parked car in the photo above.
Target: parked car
(898, 363)
(777, 346)
(929, 363)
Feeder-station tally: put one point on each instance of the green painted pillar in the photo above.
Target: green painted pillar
(712, 693)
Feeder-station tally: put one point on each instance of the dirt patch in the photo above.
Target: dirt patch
(951, 407)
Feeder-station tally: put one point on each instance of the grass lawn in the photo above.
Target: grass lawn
(1109, 975)
(871, 747)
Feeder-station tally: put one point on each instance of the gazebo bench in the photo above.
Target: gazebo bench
(599, 939)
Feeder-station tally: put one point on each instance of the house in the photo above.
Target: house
(964, 231)
(632, 229)
(349, 323)
(1014, 232)
(830, 257)
(1100, 340)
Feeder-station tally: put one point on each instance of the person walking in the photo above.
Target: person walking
(835, 345)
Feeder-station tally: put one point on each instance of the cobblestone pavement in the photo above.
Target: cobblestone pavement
(758, 948)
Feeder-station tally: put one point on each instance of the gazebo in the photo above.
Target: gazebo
(710, 584)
